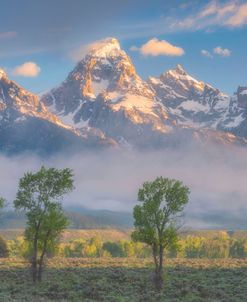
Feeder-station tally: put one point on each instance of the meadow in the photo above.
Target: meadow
(105, 277)
(125, 279)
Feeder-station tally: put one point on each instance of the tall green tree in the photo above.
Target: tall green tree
(155, 219)
(40, 195)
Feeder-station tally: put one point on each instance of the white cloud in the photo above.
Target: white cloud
(155, 47)
(207, 17)
(214, 14)
(206, 53)
(28, 69)
(223, 52)
(239, 18)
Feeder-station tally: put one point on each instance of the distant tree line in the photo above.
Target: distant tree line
(191, 246)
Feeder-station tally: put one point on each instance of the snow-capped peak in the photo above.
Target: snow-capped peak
(105, 48)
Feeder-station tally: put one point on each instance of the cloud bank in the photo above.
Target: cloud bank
(110, 180)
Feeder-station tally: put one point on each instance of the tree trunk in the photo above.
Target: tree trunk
(155, 254)
(41, 260)
(161, 251)
(40, 270)
(158, 261)
(34, 270)
(159, 271)
(34, 260)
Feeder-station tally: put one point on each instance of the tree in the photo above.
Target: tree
(155, 220)
(39, 195)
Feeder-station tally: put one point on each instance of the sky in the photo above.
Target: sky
(209, 38)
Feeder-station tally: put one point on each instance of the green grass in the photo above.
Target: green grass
(118, 280)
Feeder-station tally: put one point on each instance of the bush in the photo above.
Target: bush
(114, 248)
(238, 248)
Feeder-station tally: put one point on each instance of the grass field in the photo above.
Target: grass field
(118, 280)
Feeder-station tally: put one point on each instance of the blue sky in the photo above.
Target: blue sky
(211, 36)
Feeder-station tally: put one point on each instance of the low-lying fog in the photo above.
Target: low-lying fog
(110, 180)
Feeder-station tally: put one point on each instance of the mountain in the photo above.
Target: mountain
(104, 92)
(104, 103)
(26, 125)
(235, 119)
(195, 104)
(190, 102)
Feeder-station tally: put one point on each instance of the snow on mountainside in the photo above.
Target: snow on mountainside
(27, 125)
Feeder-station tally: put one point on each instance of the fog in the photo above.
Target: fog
(110, 180)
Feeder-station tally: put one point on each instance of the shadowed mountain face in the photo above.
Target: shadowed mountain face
(104, 103)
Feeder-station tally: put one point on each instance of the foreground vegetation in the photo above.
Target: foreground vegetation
(94, 265)
(93, 269)
(121, 279)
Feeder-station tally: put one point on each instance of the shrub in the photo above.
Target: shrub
(237, 248)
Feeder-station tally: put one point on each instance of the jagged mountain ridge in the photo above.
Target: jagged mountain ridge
(191, 103)
(27, 126)
(105, 92)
